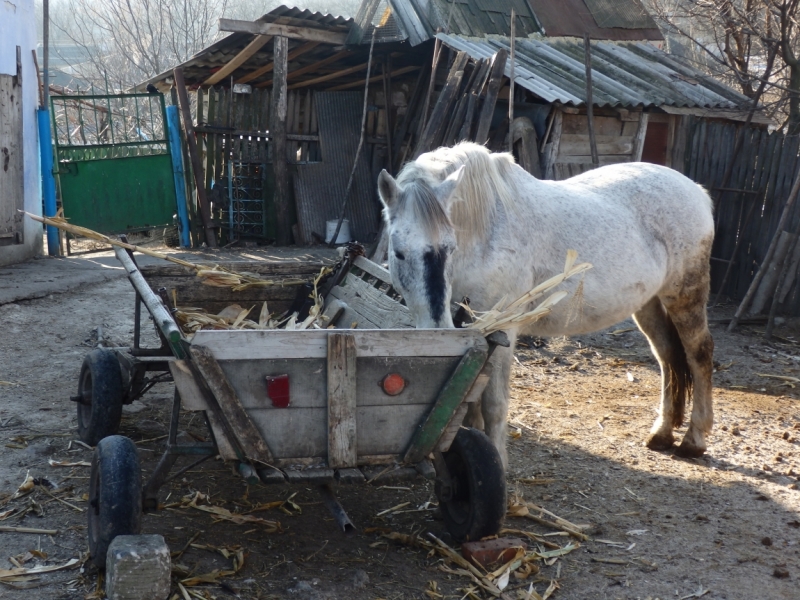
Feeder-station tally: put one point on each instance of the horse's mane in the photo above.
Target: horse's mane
(484, 185)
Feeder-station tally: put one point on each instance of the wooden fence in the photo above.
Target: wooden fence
(748, 208)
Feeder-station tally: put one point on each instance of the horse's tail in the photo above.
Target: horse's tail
(677, 374)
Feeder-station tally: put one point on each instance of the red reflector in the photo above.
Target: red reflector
(278, 390)
(393, 384)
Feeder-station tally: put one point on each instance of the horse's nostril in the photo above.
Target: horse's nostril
(399, 256)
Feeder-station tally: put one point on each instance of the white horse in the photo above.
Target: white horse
(466, 222)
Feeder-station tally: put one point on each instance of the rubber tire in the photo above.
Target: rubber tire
(100, 383)
(478, 503)
(115, 495)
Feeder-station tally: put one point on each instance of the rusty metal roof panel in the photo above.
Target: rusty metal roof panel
(630, 14)
(574, 18)
(623, 73)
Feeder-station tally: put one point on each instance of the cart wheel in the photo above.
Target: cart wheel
(475, 503)
(115, 495)
(99, 396)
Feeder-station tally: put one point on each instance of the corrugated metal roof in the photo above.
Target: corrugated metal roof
(623, 73)
(573, 18)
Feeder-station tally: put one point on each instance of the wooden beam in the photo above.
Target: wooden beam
(234, 413)
(361, 82)
(638, 139)
(287, 31)
(194, 156)
(342, 436)
(238, 60)
(278, 130)
(300, 50)
(312, 67)
(329, 76)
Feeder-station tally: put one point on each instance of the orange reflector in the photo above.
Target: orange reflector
(393, 384)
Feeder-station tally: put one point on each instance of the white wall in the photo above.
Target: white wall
(18, 28)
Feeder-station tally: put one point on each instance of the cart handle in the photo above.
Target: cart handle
(163, 320)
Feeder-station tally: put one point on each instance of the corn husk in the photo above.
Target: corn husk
(233, 316)
(211, 275)
(508, 315)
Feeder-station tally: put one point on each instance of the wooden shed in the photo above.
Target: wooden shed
(293, 121)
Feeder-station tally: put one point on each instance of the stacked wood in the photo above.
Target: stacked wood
(463, 109)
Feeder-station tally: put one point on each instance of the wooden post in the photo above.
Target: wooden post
(278, 131)
(342, 446)
(638, 139)
(511, 87)
(587, 57)
(495, 80)
(194, 157)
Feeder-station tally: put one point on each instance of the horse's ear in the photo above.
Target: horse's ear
(387, 189)
(444, 191)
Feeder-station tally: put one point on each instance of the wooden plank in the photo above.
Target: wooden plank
(428, 434)
(424, 377)
(440, 117)
(366, 304)
(341, 401)
(194, 156)
(272, 267)
(237, 61)
(239, 421)
(193, 399)
(294, 434)
(12, 160)
(483, 67)
(270, 344)
(283, 236)
(638, 139)
(299, 51)
(493, 87)
(286, 31)
(329, 76)
(373, 268)
(313, 66)
(551, 149)
(361, 82)
(579, 145)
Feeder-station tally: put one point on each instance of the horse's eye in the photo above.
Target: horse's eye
(399, 255)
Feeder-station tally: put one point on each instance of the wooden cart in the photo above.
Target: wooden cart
(320, 406)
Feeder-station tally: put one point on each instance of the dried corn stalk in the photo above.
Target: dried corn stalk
(505, 315)
(234, 316)
(210, 275)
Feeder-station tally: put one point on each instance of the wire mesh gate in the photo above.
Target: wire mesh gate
(114, 165)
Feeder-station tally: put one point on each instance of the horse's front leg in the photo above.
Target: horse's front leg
(494, 404)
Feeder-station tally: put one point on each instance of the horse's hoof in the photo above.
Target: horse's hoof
(660, 441)
(689, 450)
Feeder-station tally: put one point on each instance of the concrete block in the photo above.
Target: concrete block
(138, 567)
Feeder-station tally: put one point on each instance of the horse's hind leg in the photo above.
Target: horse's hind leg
(655, 323)
(687, 311)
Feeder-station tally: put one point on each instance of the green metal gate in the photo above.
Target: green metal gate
(114, 164)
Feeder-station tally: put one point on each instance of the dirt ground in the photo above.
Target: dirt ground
(722, 526)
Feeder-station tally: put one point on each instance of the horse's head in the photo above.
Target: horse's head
(422, 240)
